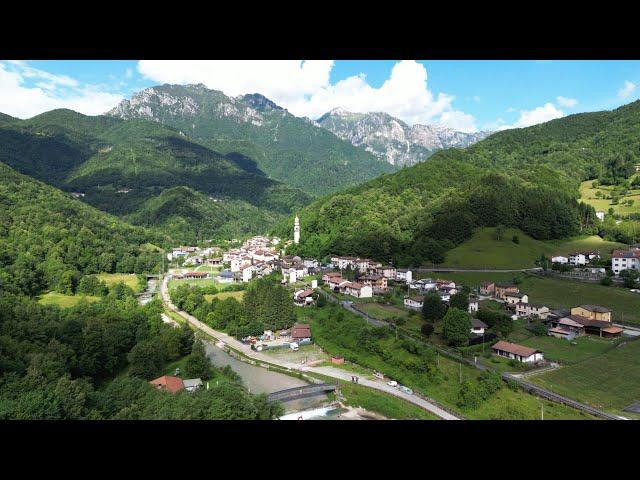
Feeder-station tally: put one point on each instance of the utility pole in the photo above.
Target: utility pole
(542, 411)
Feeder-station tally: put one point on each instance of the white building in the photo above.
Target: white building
(404, 275)
(478, 326)
(531, 309)
(473, 304)
(577, 259)
(247, 273)
(236, 264)
(414, 302)
(517, 352)
(358, 290)
(514, 298)
(600, 215)
(625, 260)
(560, 259)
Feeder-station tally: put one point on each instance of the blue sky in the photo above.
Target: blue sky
(466, 95)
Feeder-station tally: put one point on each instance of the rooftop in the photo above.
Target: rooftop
(515, 348)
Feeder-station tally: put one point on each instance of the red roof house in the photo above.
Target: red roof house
(168, 383)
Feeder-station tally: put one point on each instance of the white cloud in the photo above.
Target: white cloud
(566, 102)
(533, 117)
(49, 92)
(460, 121)
(627, 90)
(304, 87)
(510, 109)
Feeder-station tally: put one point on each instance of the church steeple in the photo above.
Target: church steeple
(296, 230)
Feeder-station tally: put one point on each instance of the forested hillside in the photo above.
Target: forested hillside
(124, 168)
(286, 148)
(49, 240)
(525, 178)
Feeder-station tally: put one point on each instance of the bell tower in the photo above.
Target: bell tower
(296, 231)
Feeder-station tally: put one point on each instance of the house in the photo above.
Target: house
(600, 215)
(582, 258)
(517, 352)
(311, 263)
(473, 304)
(559, 332)
(247, 273)
(404, 275)
(444, 296)
(501, 290)
(343, 262)
(196, 275)
(192, 384)
(478, 326)
(569, 325)
(214, 262)
(226, 276)
(594, 312)
(625, 260)
(560, 259)
(593, 319)
(513, 298)
(168, 383)
(487, 288)
(334, 280)
(358, 290)
(375, 281)
(414, 302)
(300, 331)
(531, 309)
(236, 264)
(423, 285)
(303, 297)
(388, 271)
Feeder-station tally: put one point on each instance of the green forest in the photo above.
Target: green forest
(523, 178)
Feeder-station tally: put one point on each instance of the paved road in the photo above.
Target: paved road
(382, 386)
(328, 371)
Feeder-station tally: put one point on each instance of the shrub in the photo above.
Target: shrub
(427, 329)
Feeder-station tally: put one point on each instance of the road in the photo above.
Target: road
(328, 371)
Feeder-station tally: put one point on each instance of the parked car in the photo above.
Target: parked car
(294, 346)
(392, 383)
(406, 390)
(378, 375)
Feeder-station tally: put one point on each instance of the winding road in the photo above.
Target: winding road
(379, 385)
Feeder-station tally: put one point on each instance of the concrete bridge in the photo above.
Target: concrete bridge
(301, 392)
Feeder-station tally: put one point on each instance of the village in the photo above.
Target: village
(372, 289)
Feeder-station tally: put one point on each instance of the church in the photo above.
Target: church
(296, 230)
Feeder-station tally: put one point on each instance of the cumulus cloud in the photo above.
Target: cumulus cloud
(533, 117)
(304, 87)
(566, 102)
(627, 89)
(48, 92)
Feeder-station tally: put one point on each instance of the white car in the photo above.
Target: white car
(392, 383)
(406, 390)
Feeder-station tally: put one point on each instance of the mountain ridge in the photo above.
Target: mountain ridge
(393, 140)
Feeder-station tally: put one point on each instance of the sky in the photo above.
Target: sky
(465, 95)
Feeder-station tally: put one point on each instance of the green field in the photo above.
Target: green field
(610, 381)
(565, 294)
(560, 350)
(65, 301)
(588, 195)
(482, 250)
(560, 294)
(129, 279)
(222, 295)
(205, 282)
(383, 312)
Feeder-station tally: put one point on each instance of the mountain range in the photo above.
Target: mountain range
(147, 173)
(258, 134)
(525, 178)
(391, 139)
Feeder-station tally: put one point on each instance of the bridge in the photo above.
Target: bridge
(301, 392)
